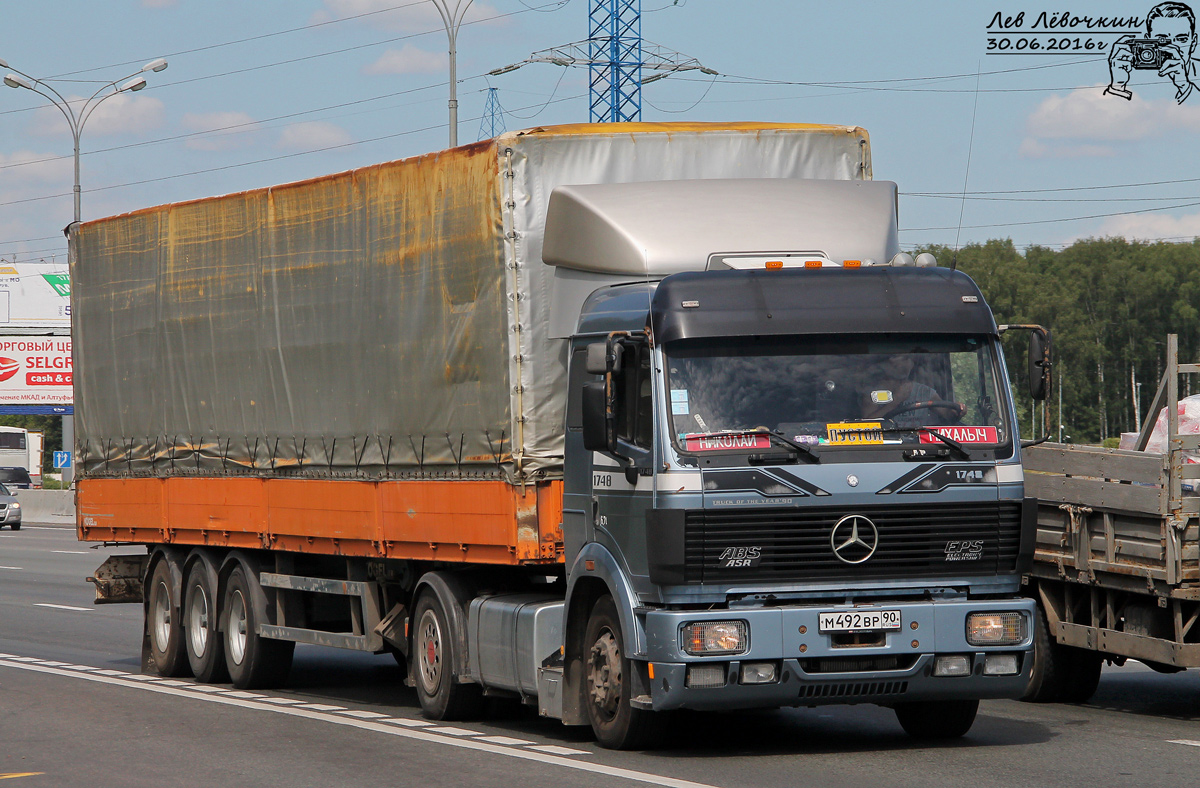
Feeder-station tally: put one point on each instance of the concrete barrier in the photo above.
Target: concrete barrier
(47, 506)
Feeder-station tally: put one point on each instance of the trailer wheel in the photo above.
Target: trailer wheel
(162, 622)
(1081, 676)
(607, 673)
(441, 694)
(202, 635)
(252, 660)
(937, 719)
(1045, 679)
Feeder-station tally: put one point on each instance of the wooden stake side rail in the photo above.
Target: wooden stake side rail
(479, 522)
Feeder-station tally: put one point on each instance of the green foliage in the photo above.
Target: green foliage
(1110, 304)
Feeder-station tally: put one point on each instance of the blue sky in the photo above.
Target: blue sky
(260, 92)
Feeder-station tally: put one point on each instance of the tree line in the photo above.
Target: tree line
(1110, 304)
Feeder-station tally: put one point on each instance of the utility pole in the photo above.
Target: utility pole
(452, 18)
(492, 123)
(76, 116)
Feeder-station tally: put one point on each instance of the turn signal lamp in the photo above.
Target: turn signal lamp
(995, 629)
(706, 638)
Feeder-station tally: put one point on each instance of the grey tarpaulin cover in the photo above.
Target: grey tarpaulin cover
(387, 322)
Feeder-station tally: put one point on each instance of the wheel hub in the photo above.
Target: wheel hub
(429, 650)
(604, 674)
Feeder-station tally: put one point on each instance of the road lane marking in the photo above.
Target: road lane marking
(321, 707)
(1188, 742)
(71, 552)
(242, 694)
(449, 731)
(63, 607)
(554, 749)
(14, 568)
(506, 740)
(363, 715)
(407, 731)
(281, 701)
(407, 723)
(14, 775)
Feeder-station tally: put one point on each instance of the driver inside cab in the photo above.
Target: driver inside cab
(895, 396)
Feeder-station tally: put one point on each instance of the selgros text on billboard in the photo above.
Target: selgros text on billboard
(35, 371)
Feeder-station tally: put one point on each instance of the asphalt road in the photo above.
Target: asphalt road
(74, 711)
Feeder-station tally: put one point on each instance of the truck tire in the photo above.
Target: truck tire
(253, 661)
(1081, 674)
(1045, 679)
(606, 684)
(162, 623)
(937, 719)
(434, 657)
(202, 634)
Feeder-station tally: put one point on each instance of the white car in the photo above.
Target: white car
(10, 509)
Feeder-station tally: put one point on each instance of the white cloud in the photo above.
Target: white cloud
(409, 19)
(26, 166)
(1088, 114)
(159, 3)
(1149, 225)
(313, 135)
(122, 114)
(408, 60)
(1032, 148)
(230, 130)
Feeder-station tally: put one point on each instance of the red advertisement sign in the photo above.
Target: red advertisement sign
(726, 442)
(35, 370)
(962, 434)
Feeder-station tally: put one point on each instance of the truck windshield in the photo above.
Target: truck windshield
(841, 392)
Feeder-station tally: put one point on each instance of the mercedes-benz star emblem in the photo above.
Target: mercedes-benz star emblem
(854, 539)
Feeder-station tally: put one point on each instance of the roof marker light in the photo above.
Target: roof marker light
(773, 265)
(813, 264)
(851, 263)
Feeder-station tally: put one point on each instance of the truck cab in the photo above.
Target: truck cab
(795, 473)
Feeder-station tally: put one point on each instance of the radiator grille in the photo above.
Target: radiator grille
(794, 544)
(853, 689)
(857, 664)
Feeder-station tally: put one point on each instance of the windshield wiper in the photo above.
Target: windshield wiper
(953, 444)
(802, 450)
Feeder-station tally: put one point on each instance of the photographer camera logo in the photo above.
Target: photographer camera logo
(1167, 49)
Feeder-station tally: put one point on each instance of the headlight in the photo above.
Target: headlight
(14, 505)
(705, 638)
(995, 629)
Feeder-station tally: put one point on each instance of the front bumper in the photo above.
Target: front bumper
(10, 515)
(803, 676)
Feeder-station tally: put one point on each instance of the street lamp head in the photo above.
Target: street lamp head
(137, 83)
(155, 65)
(17, 81)
(3, 63)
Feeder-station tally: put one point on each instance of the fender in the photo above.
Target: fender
(608, 570)
(454, 598)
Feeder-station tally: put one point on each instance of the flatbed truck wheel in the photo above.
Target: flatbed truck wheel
(606, 684)
(252, 660)
(202, 635)
(434, 657)
(1045, 679)
(1081, 674)
(162, 623)
(937, 719)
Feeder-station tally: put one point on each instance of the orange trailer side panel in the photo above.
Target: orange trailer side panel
(487, 522)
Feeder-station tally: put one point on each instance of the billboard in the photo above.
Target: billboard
(34, 296)
(35, 370)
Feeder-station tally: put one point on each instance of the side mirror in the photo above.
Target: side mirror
(1039, 364)
(597, 435)
(601, 360)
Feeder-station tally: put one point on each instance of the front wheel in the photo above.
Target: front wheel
(15, 526)
(434, 655)
(939, 719)
(607, 674)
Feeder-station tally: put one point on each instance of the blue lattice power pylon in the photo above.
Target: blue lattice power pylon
(615, 60)
(492, 122)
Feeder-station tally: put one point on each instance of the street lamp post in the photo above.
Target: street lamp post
(75, 122)
(452, 18)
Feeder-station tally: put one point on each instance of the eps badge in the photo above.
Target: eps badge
(964, 550)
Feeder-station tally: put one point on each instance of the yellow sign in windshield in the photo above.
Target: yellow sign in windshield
(854, 433)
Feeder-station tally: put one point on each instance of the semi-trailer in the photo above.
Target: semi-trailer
(614, 419)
